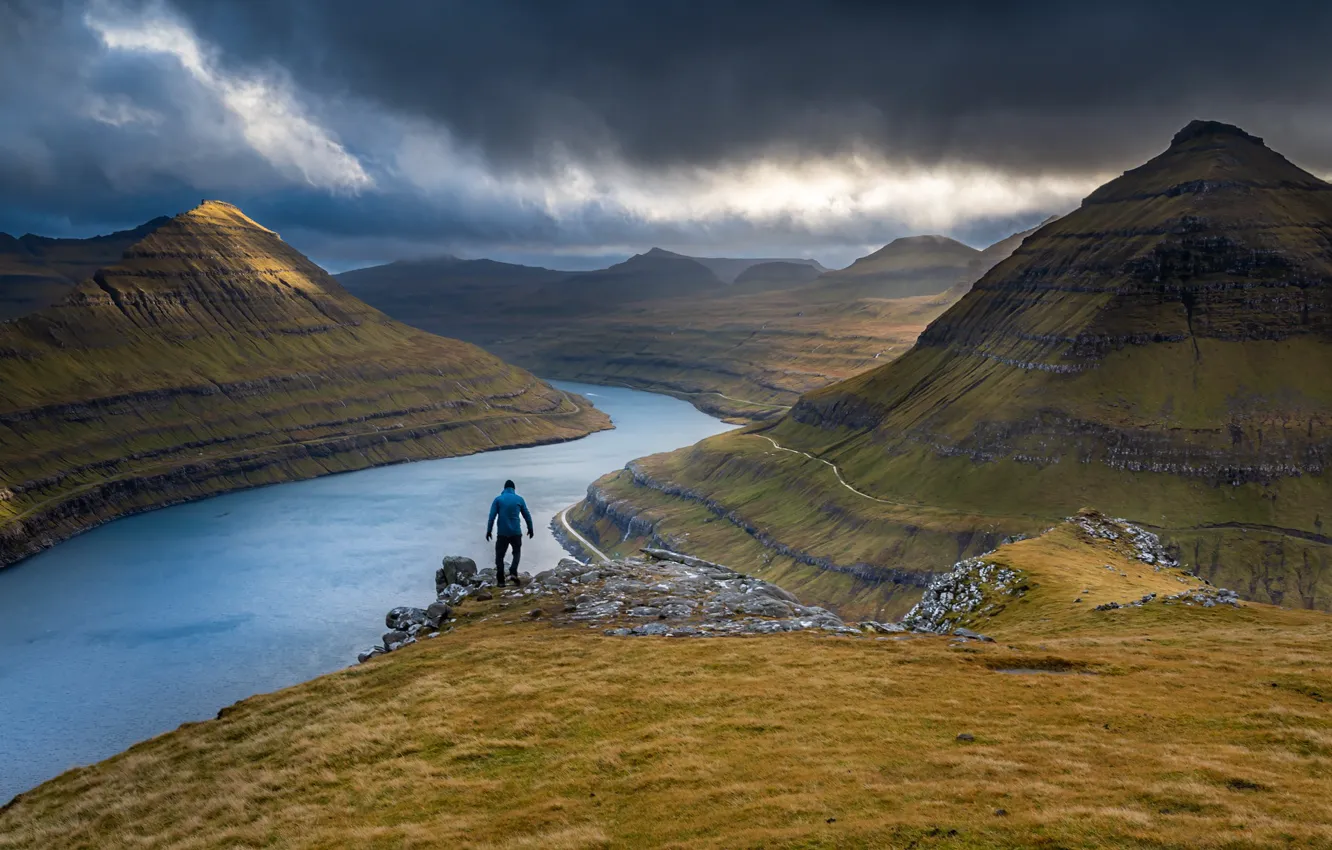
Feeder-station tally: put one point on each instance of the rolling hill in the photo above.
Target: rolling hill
(213, 356)
(1162, 351)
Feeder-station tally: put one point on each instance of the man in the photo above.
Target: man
(507, 507)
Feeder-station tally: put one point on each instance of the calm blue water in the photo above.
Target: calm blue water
(148, 622)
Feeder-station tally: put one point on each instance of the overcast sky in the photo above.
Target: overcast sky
(567, 132)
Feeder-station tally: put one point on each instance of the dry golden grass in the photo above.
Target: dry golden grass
(1174, 727)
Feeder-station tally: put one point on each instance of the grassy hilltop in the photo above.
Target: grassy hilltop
(1162, 351)
(213, 356)
(1169, 725)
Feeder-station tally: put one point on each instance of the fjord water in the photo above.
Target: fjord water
(151, 621)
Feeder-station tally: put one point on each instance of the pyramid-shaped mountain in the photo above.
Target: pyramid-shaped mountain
(214, 356)
(1162, 352)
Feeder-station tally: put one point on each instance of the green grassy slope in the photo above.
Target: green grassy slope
(1156, 727)
(213, 356)
(1163, 352)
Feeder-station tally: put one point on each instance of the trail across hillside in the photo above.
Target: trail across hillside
(831, 466)
(564, 521)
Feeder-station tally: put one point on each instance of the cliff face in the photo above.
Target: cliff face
(1162, 351)
(214, 356)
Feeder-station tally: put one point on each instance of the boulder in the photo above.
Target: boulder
(403, 617)
(437, 613)
(762, 605)
(452, 594)
(455, 570)
(970, 635)
(775, 592)
(368, 654)
(395, 636)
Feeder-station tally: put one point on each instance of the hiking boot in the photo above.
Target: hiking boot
(500, 582)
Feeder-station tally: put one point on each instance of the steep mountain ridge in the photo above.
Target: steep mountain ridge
(38, 271)
(1161, 351)
(214, 356)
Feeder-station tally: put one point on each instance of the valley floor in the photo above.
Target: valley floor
(1161, 726)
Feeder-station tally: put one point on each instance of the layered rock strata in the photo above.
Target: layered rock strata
(213, 357)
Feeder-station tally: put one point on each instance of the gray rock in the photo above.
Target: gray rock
(402, 617)
(394, 636)
(437, 613)
(589, 577)
(970, 635)
(368, 654)
(618, 632)
(966, 736)
(455, 570)
(776, 592)
(761, 605)
(452, 594)
(687, 560)
(652, 629)
(643, 611)
(882, 628)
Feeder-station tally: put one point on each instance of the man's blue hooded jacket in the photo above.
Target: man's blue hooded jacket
(508, 506)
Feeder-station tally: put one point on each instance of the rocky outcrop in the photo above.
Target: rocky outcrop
(666, 594)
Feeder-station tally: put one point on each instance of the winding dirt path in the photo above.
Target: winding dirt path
(831, 466)
(564, 521)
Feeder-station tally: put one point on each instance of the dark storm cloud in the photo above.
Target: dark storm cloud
(1027, 85)
(567, 129)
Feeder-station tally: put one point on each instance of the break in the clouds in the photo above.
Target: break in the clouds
(556, 131)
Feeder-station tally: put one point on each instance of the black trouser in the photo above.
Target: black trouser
(502, 543)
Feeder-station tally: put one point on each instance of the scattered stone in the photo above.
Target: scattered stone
(404, 617)
(368, 654)
(455, 570)
(881, 628)
(953, 596)
(1003, 813)
(681, 595)
(966, 736)
(437, 613)
(970, 635)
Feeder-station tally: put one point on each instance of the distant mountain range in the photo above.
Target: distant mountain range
(742, 338)
(208, 356)
(1161, 354)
